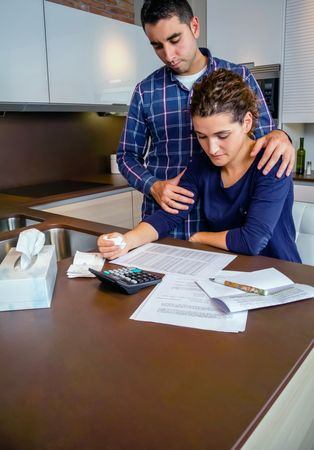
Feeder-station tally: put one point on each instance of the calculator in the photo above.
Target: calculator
(127, 279)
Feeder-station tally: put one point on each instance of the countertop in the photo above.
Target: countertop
(81, 375)
(11, 205)
(307, 178)
(111, 182)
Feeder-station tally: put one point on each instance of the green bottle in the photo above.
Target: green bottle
(300, 158)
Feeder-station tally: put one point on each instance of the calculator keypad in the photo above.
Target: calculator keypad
(131, 275)
(128, 279)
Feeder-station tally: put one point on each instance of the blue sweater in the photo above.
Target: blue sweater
(257, 209)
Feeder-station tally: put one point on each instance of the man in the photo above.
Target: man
(158, 142)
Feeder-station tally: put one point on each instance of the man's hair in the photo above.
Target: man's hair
(154, 10)
(224, 91)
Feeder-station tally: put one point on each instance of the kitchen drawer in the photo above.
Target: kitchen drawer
(113, 209)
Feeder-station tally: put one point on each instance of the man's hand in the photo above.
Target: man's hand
(170, 196)
(276, 144)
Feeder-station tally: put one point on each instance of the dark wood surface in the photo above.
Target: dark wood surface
(305, 177)
(82, 375)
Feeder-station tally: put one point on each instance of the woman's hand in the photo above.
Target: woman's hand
(108, 248)
(143, 233)
(199, 238)
(215, 239)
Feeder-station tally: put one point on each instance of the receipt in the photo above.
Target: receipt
(118, 240)
(82, 262)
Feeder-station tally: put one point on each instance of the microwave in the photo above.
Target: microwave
(268, 78)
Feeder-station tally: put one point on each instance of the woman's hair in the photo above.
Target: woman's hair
(224, 91)
(154, 10)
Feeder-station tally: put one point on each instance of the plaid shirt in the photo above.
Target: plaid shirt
(158, 140)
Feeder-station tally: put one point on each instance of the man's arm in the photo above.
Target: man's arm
(130, 157)
(133, 146)
(171, 197)
(275, 142)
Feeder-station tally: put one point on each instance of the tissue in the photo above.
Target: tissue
(30, 283)
(82, 262)
(29, 244)
(118, 240)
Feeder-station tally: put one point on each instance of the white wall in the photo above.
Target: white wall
(306, 130)
(309, 142)
(246, 30)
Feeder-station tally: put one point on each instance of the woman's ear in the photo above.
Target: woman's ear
(247, 122)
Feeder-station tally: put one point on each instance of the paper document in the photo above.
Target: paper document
(82, 261)
(180, 301)
(170, 259)
(262, 282)
(235, 301)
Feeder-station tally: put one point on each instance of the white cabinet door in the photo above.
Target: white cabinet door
(298, 66)
(113, 209)
(94, 59)
(137, 200)
(23, 63)
(303, 192)
(237, 30)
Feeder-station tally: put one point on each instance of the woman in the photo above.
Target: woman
(245, 211)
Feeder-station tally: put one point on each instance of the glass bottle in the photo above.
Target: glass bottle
(309, 168)
(300, 158)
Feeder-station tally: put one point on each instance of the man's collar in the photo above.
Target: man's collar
(204, 52)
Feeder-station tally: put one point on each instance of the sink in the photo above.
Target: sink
(20, 221)
(67, 241)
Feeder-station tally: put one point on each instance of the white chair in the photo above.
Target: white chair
(303, 216)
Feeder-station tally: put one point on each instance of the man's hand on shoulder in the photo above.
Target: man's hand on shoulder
(276, 145)
(170, 196)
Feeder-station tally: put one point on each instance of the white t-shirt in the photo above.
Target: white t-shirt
(188, 80)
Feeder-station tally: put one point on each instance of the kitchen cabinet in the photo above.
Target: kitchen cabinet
(230, 35)
(298, 65)
(23, 63)
(118, 209)
(303, 192)
(137, 200)
(58, 58)
(94, 59)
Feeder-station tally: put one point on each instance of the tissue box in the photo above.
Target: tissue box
(30, 288)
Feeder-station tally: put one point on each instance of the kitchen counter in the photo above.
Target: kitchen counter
(110, 182)
(306, 178)
(11, 205)
(81, 375)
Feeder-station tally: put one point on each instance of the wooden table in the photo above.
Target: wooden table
(81, 375)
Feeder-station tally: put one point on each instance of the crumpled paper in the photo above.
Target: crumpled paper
(118, 240)
(82, 262)
(30, 243)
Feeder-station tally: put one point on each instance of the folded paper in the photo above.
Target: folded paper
(82, 262)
